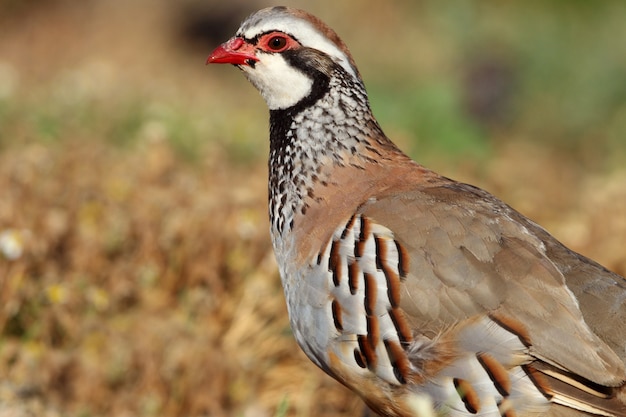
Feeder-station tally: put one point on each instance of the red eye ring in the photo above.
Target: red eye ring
(277, 42)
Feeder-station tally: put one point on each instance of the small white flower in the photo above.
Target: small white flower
(12, 243)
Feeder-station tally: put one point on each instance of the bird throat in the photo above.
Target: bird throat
(309, 140)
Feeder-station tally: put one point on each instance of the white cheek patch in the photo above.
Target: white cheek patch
(305, 33)
(280, 84)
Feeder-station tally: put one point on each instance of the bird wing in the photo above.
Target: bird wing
(469, 254)
(601, 293)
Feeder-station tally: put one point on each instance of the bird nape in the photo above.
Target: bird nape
(401, 283)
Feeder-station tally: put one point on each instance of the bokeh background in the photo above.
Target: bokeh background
(136, 272)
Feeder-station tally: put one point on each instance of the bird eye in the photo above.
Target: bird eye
(276, 43)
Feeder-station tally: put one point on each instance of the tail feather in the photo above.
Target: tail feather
(574, 391)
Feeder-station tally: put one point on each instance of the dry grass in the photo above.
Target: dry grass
(145, 287)
(146, 284)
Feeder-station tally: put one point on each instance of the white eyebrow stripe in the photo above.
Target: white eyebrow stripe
(308, 36)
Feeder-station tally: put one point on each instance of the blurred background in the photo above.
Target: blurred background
(136, 272)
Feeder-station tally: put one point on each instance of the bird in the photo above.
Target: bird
(403, 284)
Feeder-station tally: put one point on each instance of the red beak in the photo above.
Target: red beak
(235, 51)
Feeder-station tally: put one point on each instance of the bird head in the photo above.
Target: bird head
(285, 53)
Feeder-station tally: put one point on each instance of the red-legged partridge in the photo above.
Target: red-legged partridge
(402, 283)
